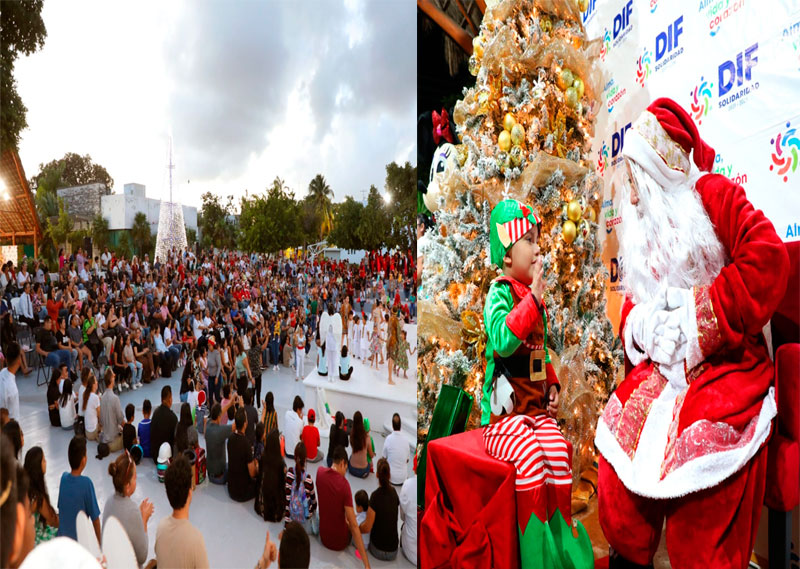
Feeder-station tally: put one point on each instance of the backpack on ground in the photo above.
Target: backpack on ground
(298, 504)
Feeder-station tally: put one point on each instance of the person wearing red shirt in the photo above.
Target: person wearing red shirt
(310, 438)
(54, 307)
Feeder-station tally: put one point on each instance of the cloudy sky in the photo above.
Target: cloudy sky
(249, 91)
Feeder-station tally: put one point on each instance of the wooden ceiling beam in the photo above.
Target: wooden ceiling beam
(466, 17)
(456, 32)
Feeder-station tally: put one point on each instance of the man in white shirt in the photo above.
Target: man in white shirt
(9, 394)
(105, 258)
(408, 513)
(294, 426)
(397, 452)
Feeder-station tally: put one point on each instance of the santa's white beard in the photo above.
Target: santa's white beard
(667, 239)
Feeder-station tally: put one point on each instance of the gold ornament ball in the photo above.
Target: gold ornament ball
(546, 24)
(565, 79)
(477, 46)
(579, 87)
(583, 5)
(516, 155)
(474, 66)
(517, 134)
(504, 141)
(509, 121)
(593, 215)
(574, 210)
(569, 231)
(571, 96)
(503, 161)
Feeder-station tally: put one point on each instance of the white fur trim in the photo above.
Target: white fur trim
(642, 474)
(638, 149)
(694, 355)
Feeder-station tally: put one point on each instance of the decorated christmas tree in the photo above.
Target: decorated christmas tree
(526, 128)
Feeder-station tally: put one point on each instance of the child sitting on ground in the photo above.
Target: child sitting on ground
(345, 369)
(362, 505)
(128, 430)
(144, 428)
(310, 437)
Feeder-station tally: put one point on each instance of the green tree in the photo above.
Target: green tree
(100, 232)
(375, 221)
(22, 30)
(321, 197)
(59, 232)
(214, 222)
(191, 236)
(73, 170)
(401, 183)
(271, 222)
(124, 247)
(310, 221)
(140, 234)
(347, 219)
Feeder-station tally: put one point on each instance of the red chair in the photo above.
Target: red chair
(783, 454)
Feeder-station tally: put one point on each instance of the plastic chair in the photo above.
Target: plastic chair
(783, 454)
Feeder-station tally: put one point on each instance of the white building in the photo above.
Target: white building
(120, 209)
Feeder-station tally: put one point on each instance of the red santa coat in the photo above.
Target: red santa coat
(666, 442)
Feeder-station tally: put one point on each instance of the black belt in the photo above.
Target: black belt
(523, 365)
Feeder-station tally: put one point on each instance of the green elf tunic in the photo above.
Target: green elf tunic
(516, 326)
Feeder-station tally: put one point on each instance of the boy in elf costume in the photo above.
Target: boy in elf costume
(520, 394)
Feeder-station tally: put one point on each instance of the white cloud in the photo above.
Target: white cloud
(249, 90)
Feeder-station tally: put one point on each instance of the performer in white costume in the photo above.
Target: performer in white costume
(330, 332)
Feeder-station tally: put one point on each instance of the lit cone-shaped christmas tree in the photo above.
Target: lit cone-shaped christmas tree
(171, 229)
(526, 129)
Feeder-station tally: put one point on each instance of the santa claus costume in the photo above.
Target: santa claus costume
(682, 438)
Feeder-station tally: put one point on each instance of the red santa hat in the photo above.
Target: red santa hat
(661, 139)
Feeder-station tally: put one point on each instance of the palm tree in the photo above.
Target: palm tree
(321, 196)
(140, 233)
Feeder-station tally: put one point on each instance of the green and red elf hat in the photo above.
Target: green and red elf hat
(509, 222)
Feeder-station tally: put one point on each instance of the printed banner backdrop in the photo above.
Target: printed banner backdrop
(734, 65)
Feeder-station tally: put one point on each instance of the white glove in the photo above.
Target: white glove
(669, 341)
(502, 400)
(636, 329)
(678, 297)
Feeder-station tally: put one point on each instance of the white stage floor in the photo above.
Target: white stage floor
(234, 535)
(368, 391)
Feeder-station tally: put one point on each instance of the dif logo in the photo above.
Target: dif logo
(668, 48)
(591, 10)
(667, 42)
(736, 72)
(623, 23)
(617, 144)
